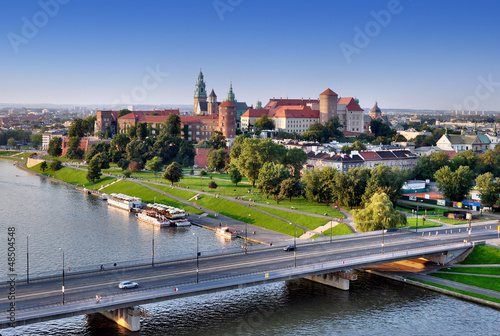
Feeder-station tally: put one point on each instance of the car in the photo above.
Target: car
(128, 284)
(289, 248)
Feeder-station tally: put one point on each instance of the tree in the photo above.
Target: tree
(142, 130)
(311, 182)
(43, 166)
(291, 187)
(427, 166)
(217, 140)
(212, 185)
(120, 142)
(217, 159)
(135, 165)
(455, 185)
(264, 123)
(155, 164)
(172, 125)
(326, 184)
(358, 146)
(74, 151)
(489, 162)
(103, 160)
(123, 112)
(387, 179)
(270, 177)
(55, 165)
(349, 187)
(247, 162)
(173, 173)
(346, 149)
(11, 142)
(77, 128)
(379, 214)
(379, 128)
(295, 159)
(36, 139)
(55, 147)
(489, 189)
(234, 175)
(466, 158)
(123, 164)
(94, 169)
(316, 132)
(132, 132)
(333, 127)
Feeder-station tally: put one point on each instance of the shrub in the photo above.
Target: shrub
(127, 173)
(55, 165)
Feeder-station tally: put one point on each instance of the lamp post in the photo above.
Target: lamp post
(331, 229)
(153, 248)
(27, 260)
(295, 248)
(246, 234)
(62, 289)
(416, 227)
(470, 228)
(197, 259)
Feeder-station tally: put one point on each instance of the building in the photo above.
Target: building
(104, 120)
(154, 118)
(296, 115)
(49, 135)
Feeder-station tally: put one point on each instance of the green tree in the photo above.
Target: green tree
(173, 173)
(326, 180)
(74, 151)
(120, 142)
(389, 180)
(123, 163)
(43, 166)
(234, 175)
(103, 160)
(142, 130)
(349, 187)
(36, 139)
(155, 164)
(295, 159)
(381, 129)
(77, 128)
(123, 112)
(466, 158)
(264, 123)
(489, 189)
(379, 214)
(55, 147)
(11, 142)
(55, 165)
(212, 185)
(333, 129)
(270, 177)
(312, 184)
(248, 161)
(427, 166)
(291, 187)
(94, 169)
(217, 140)
(316, 132)
(346, 149)
(358, 146)
(107, 133)
(217, 159)
(132, 132)
(172, 125)
(489, 162)
(455, 185)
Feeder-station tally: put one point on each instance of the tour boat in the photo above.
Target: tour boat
(125, 202)
(154, 218)
(167, 210)
(180, 222)
(226, 232)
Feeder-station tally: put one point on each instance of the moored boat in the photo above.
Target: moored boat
(226, 232)
(125, 202)
(151, 217)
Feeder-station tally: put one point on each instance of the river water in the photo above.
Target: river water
(91, 233)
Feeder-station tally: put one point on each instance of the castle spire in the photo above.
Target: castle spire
(230, 95)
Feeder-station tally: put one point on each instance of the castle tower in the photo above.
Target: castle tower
(227, 119)
(375, 111)
(258, 105)
(327, 105)
(212, 103)
(200, 94)
(230, 95)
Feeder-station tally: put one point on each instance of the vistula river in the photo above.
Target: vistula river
(55, 216)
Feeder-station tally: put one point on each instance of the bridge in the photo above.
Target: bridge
(44, 299)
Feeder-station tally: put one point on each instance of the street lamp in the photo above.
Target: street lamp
(331, 229)
(294, 247)
(153, 248)
(416, 227)
(197, 258)
(470, 228)
(62, 289)
(27, 260)
(246, 234)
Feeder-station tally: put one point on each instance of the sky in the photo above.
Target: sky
(405, 54)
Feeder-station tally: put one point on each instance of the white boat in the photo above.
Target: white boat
(125, 202)
(180, 222)
(167, 210)
(154, 218)
(226, 232)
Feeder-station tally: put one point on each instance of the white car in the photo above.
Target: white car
(128, 284)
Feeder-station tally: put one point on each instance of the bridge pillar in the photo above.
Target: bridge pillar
(129, 318)
(338, 280)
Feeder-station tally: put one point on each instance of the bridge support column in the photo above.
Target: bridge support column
(129, 318)
(338, 280)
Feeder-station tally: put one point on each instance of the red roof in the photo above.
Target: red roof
(194, 119)
(451, 153)
(296, 112)
(328, 92)
(350, 103)
(227, 103)
(255, 113)
(369, 155)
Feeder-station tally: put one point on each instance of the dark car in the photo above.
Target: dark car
(289, 248)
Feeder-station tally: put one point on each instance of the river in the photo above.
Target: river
(91, 233)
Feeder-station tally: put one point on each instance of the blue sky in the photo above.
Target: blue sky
(419, 54)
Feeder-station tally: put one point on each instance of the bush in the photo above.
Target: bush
(127, 173)
(123, 164)
(55, 165)
(191, 172)
(203, 172)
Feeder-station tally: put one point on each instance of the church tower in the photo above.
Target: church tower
(327, 105)
(230, 95)
(212, 103)
(375, 111)
(200, 94)
(227, 119)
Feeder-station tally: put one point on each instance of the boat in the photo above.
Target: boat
(175, 216)
(226, 232)
(125, 202)
(180, 222)
(151, 217)
(104, 197)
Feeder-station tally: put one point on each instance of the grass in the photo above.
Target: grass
(452, 221)
(479, 296)
(412, 222)
(241, 212)
(478, 281)
(483, 255)
(225, 188)
(184, 194)
(472, 270)
(421, 210)
(60, 158)
(8, 153)
(147, 195)
(304, 205)
(74, 176)
(300, 219)
(338, 229)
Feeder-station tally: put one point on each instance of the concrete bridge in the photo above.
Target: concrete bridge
(43, 299)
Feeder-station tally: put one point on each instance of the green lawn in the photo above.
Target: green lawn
(302, 220)
(8, 153)
(241, 212)
(74, 176)
(472, 270)
(301, 204)
(422, 210)
(478, 281)
(184, 194)
(225, 188)
(338, 229)
(479, 296)
(49, 158)
(483, 255)
(412, 222)
(147, 195)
